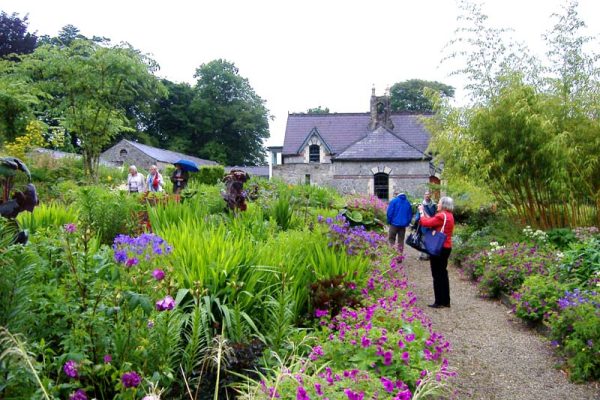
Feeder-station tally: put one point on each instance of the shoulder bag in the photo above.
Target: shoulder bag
(434, 240)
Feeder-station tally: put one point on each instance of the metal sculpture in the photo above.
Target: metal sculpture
(234, 195)
(24, 200)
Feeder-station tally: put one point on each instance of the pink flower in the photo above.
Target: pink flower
(70, 369)
(107, 358)
(70, 228)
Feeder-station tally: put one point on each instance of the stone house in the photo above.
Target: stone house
(378, 153)
(143, 156)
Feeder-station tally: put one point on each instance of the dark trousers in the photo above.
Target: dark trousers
(439, 272)
(397, 231)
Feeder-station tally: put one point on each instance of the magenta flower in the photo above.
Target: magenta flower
(410, 337)
(321, 313)
(388, 385)
(353, 395)
(70, 369)
(158, 274)
(131, 379)
(318, 389)
(131, 262)
(168, 303)
(70, 228)
(107, 358)
(301, 394)
(78, 395)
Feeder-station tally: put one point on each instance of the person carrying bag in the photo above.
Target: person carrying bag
(439, 237)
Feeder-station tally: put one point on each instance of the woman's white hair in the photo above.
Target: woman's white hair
(133, 167)
(447, 203)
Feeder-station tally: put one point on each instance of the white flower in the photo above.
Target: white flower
(151, 397)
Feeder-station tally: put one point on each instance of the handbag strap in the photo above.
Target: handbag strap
(444, 225)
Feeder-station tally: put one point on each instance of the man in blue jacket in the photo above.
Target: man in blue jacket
(399, 215)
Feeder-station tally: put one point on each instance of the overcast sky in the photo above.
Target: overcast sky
(296, 54)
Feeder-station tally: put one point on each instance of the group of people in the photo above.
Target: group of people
(429, 216)
(136, 182)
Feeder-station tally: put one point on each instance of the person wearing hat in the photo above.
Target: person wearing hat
(429, 210)
(399, 215)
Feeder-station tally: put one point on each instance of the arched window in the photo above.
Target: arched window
(382, 188)
(314, 153)
(123, 153)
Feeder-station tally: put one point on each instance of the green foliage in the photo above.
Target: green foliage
(369, 212)
(47, 216)
(106, 214)
(282, 212)
(409, 95)
(318, 110)
(576, 333)
(538, 297)
(209, 175)
(230, 116)
(522, 121)
(561, 238)
(580, 264)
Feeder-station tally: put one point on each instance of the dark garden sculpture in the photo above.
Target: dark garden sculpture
(25, 200)
(234, 194)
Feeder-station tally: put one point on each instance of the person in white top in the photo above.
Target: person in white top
(135, 181)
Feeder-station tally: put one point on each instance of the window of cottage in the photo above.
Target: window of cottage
(314, 153)
(382, 188)
(123, 153)
(307, 179)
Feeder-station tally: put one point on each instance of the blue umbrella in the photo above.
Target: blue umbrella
(187, 165)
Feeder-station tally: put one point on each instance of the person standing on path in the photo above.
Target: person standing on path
(179, 177)
(429, 208)
(399, 215)
(443, 222)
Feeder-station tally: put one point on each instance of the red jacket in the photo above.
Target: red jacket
(437, 221)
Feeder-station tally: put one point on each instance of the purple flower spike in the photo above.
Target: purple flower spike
(131, 379)
(301, 394)
(70, 369)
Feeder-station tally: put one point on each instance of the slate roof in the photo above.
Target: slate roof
(349, 132)
(167, 156)
(380, 144)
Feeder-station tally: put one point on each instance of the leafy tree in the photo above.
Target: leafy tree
(318, 110)
(409, 95)
(531, 136)
(67, 35)
(230, 117)
(14, 38)
(89, 87)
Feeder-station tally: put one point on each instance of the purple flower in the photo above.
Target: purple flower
(120, 256)
(131, 262)
(168, 303)
(150, 324)
(107, 358)
(301, 394)
(410, 337)
(158, 274)
(353, 395)
(387, 358)
(131, 379)
(70, 228)
(321, 313)
(78, 395)
(70, 369)
(388, 385)
(318, 389)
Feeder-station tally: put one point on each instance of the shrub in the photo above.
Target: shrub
(561, 238)
(369, 212)
(537, 297)
(505, 269)
(575, 331)
(580, 264)
(208, 175)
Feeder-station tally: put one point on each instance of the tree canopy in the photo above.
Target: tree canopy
(409, 95)
(14, 38)
(532, 135)
(318, 110)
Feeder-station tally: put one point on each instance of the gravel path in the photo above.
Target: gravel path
(495, 354)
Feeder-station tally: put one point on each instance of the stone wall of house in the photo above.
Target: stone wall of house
(133, 157)
(353, 177)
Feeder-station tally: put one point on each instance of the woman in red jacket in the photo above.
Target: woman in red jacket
(443, 222)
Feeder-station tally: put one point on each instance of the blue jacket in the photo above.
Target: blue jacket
(399, 212)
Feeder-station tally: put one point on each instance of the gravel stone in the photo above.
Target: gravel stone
(496, 355)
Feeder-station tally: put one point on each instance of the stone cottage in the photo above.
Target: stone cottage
(378, 153)
(143, 156)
